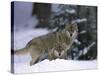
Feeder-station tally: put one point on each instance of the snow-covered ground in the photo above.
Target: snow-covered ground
(54, 65)
(23, 36)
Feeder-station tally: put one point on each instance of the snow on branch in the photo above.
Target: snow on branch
(71, 11)
(86, 49)
(82, 32)
(79, 20)
(77, 41)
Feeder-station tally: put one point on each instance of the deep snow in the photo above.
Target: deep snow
(54, 65)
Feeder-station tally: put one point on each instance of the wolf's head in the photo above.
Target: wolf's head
(59, 50)
(71, 29)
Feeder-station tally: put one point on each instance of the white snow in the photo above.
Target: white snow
(54, 65)
(71, 11)
(22, 37)
(79, 20)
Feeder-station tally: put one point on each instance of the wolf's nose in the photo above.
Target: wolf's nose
(70, 34)
(59, 54)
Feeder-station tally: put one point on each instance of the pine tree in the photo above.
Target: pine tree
(85, 17)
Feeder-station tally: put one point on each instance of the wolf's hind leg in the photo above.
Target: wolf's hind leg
(35, 56)
(41, 58)
(34, 60)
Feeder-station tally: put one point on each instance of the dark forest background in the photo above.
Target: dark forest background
(84, 16)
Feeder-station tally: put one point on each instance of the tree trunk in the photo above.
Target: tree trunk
(90, 13)
(43, 12)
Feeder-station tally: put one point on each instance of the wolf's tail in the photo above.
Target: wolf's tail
(22, 51)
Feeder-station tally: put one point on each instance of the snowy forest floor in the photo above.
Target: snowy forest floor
(50, 66)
